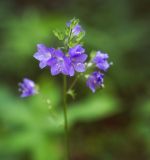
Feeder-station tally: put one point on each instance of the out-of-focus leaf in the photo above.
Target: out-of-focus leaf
(96, 107)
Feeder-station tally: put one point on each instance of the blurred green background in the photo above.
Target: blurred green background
(113, 123)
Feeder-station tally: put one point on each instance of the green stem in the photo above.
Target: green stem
(65, 118)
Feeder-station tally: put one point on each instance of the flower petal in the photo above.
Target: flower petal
(103, 66)
(59, 53)
(71, 71)
(78, 49)
(42, 64)
(52, 61)
(55, 70)
(79, 58)
(38, 56)
(91, 85)
(79, 67)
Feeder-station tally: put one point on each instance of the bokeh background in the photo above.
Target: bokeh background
(113, 123)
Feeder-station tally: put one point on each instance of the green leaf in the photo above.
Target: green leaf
(74, 22)
(58, 34)
(93, 108)
(72, 44)
(80, 36)
(67, 31)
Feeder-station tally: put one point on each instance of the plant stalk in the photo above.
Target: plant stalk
(65, 119)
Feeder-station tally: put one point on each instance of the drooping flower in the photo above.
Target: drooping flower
(43, 55)
(27, 87)
(101, 61)
(59, 63)
(77, 56)
(95, 80)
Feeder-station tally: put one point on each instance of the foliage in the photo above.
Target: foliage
(114, 124)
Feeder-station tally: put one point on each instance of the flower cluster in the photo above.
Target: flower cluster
(69, 59)
(60, 62)
(95, 80)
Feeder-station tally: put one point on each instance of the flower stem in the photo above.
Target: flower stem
(65, 119)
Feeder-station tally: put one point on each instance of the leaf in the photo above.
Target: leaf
(93, 108)
(58, 34)
(80, 36)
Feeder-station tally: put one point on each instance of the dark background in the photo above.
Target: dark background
(113, 123)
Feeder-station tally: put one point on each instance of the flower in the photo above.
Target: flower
(27, 87)
(59, 63)
(43, 55)
(101, 61)
(77, 57)
(76, 29)
(95, 80)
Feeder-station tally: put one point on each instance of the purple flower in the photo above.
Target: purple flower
(95, 80)
(60, 64)
(27, 87)
(101, 61)
(43, 55)
(76, 29)
(77, 57)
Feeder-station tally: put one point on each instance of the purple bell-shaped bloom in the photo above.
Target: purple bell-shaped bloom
(95, 80)
(43, 55)
(27, 87)
(60, 64)
(101, 61)
(76, 29)
(77, 57)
